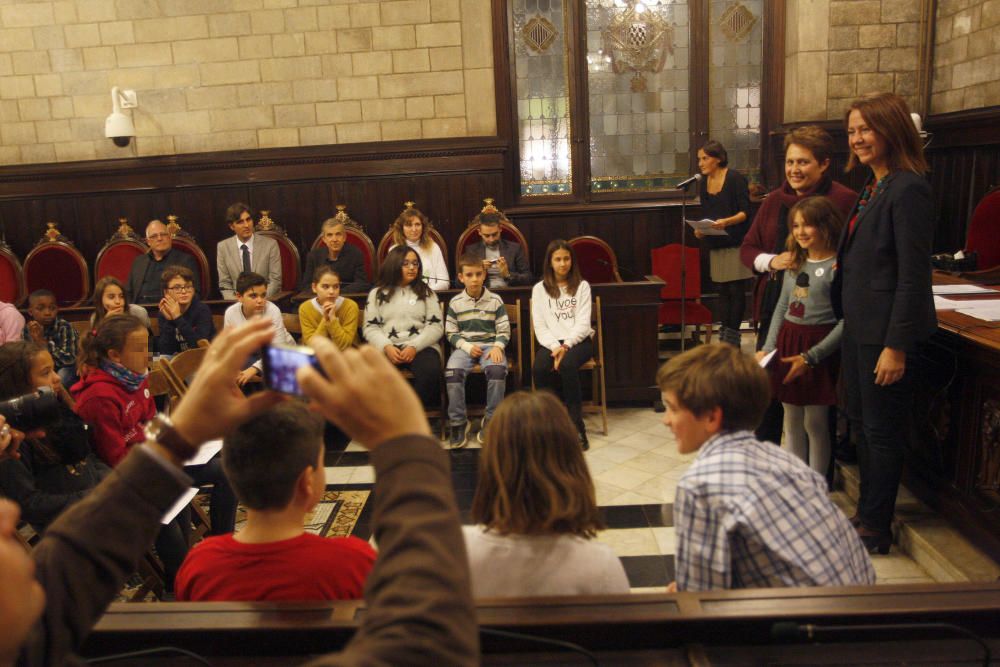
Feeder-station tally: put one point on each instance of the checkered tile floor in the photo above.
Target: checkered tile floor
(635, 470)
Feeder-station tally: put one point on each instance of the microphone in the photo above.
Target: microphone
(790, 631)
(683, 185)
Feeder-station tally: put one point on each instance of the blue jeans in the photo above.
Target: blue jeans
(459, 364)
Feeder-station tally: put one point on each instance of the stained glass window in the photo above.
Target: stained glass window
(637, 73)
(734, 74)
(542, 64)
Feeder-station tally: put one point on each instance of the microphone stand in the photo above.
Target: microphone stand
(684, 192)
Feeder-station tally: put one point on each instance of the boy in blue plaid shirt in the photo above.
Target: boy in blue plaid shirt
(478, 330)
(747, 514)
(46, 328)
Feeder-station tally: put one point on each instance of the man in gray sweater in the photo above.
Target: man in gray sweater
(420, 607)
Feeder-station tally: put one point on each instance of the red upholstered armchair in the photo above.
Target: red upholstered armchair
(598, 263)
(984, 231)
(507, 231)
(11, 276)
(291, 262)
(667, 265)
(357, 237)
(116, 257)
(184, 242)
(55, 264)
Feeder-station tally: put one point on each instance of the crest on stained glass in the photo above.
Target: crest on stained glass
(638, 40)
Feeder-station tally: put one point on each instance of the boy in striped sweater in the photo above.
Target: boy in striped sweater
(478, 330)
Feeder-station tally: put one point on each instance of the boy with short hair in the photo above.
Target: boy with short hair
(251, 301)
(274, 463)
(46, 328)
(747, 514)
(478, 330)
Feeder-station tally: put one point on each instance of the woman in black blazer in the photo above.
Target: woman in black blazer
(883, 292)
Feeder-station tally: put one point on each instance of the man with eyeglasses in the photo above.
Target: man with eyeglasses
(144, 278)
(504, 261)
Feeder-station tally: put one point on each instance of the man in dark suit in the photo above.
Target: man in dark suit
(340, 256)
(144, 277)
(503, 260)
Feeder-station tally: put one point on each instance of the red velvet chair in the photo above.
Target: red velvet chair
(184, 241)
(56, 265)
(983, 236)
(507, 231)
(291, 262)
(116, 257)
(666, 262)
(357, 237)
(597, 261)
(11, 276)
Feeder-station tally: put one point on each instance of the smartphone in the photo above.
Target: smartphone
(280, 364)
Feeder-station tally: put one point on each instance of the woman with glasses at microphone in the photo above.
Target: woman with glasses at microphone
(184, 319)
(55, 466)
(725, 199)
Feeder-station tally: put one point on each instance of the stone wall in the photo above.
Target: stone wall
(874, 46)
(966, 55)
(236, 74)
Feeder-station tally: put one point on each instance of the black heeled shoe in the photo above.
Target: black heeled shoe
(875, 541)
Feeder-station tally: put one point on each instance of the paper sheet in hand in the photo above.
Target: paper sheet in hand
(205, 454)
(705, 227)
(181, 503)
(961, 289)
(766, 359)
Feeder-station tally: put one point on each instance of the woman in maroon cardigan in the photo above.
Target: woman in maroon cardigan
(807, 162)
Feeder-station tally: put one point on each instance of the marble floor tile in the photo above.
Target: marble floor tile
(598, 465)
(629, 541)
(656, 464)
(617, 453)
(642, 441)
(662, 488)
(897, 566)
(633, 498)
(607, 492)
(339, 475)
(363, 475)
(666, 540)
(624, 477)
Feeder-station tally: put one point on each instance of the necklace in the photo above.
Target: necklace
(870, 192)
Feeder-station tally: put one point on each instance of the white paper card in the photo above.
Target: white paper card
(205, 454)
(181, 503)
(705, 227)
(961, 289)
(766, 359)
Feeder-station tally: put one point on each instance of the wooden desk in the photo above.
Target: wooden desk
(651, 627)
(954, 461)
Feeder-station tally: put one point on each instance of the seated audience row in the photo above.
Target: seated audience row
(504, 261)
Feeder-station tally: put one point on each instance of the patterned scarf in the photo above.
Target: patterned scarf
(129, 379)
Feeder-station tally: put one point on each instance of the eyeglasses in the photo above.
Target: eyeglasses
(154, 237)
(411, 263)
(179, 289)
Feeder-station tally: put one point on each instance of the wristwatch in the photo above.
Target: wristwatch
(160, 429)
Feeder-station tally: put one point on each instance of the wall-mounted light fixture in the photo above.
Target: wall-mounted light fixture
(118, 126)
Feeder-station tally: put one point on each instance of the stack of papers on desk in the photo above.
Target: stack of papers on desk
(963, 288)
(984, 309)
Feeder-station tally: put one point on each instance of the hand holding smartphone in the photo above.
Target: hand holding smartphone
(280, 364)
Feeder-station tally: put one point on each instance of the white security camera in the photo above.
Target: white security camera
(118, 127)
